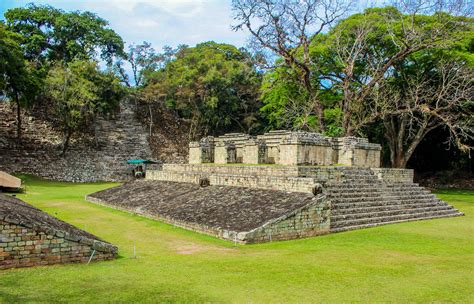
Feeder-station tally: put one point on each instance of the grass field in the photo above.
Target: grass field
(426, 261)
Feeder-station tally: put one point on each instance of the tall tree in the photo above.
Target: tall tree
(409, 70)
(367, 48)
(358, 62)
(142, 59)
(213, 85)
(435, 94)
(17, 80)
(287, 28)
(80, 92)
(53, 34)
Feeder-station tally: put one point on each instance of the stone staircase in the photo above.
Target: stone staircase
(89, 158)
(360, 200)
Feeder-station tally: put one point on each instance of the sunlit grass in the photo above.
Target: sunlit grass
(426, 261)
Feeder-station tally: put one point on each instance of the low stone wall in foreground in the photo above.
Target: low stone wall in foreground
(30, 237)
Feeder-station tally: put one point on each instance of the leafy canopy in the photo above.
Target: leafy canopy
(50, 33)
(79, 92)
(214, 85)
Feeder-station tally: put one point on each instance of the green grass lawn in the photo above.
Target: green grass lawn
(426, 261)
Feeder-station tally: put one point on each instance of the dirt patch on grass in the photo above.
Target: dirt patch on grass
(187, 248)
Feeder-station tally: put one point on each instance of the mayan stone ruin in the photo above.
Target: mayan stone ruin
(277, 186)
(285, 148)
(31, 237)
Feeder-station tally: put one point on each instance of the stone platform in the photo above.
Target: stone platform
(273, 177)
(238, 214)
(260, 203)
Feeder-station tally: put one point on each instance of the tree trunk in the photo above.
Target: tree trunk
(317, 103)
(18, 117)
(402, 148)
(399, 160)
(66, 141)
(151, 118)
(322, 123)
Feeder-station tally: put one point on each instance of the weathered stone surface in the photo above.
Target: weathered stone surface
(90, 158)
(222, 211)
(358, 197)
(30, 237)
(285, 148)
(286, 178)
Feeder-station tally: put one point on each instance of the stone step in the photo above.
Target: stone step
(376, 190)
(338, 186)
(356, 227)
(400, 185)
(362, 178)
(400, 206)
(382, 195)
(398, 217)
(380, 203)
(353, 183)
(378, 214)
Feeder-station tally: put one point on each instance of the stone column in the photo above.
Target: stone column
(356, 151)
(202, 152)
(255, 152)
(343, 148)
(224, 153)
(305, 148)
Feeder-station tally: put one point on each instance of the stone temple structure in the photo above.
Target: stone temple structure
(285, 148)
(277, 186)
(31, 237)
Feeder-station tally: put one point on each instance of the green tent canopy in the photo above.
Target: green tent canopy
(140, 161)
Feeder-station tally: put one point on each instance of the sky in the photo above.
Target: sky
(160, 22)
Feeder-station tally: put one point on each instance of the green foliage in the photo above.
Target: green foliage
(361, 61)
(73, 92)
(80, 92)
(278, 94)
(214, 85)
(333, 117)
(18, 80)
(50, 33)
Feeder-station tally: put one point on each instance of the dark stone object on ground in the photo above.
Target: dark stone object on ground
(31, 237)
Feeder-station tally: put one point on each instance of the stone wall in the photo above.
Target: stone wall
(91, 157)
(21, 246)
(308, 221)
(286, 178)
(391, 175)
(292, 184)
